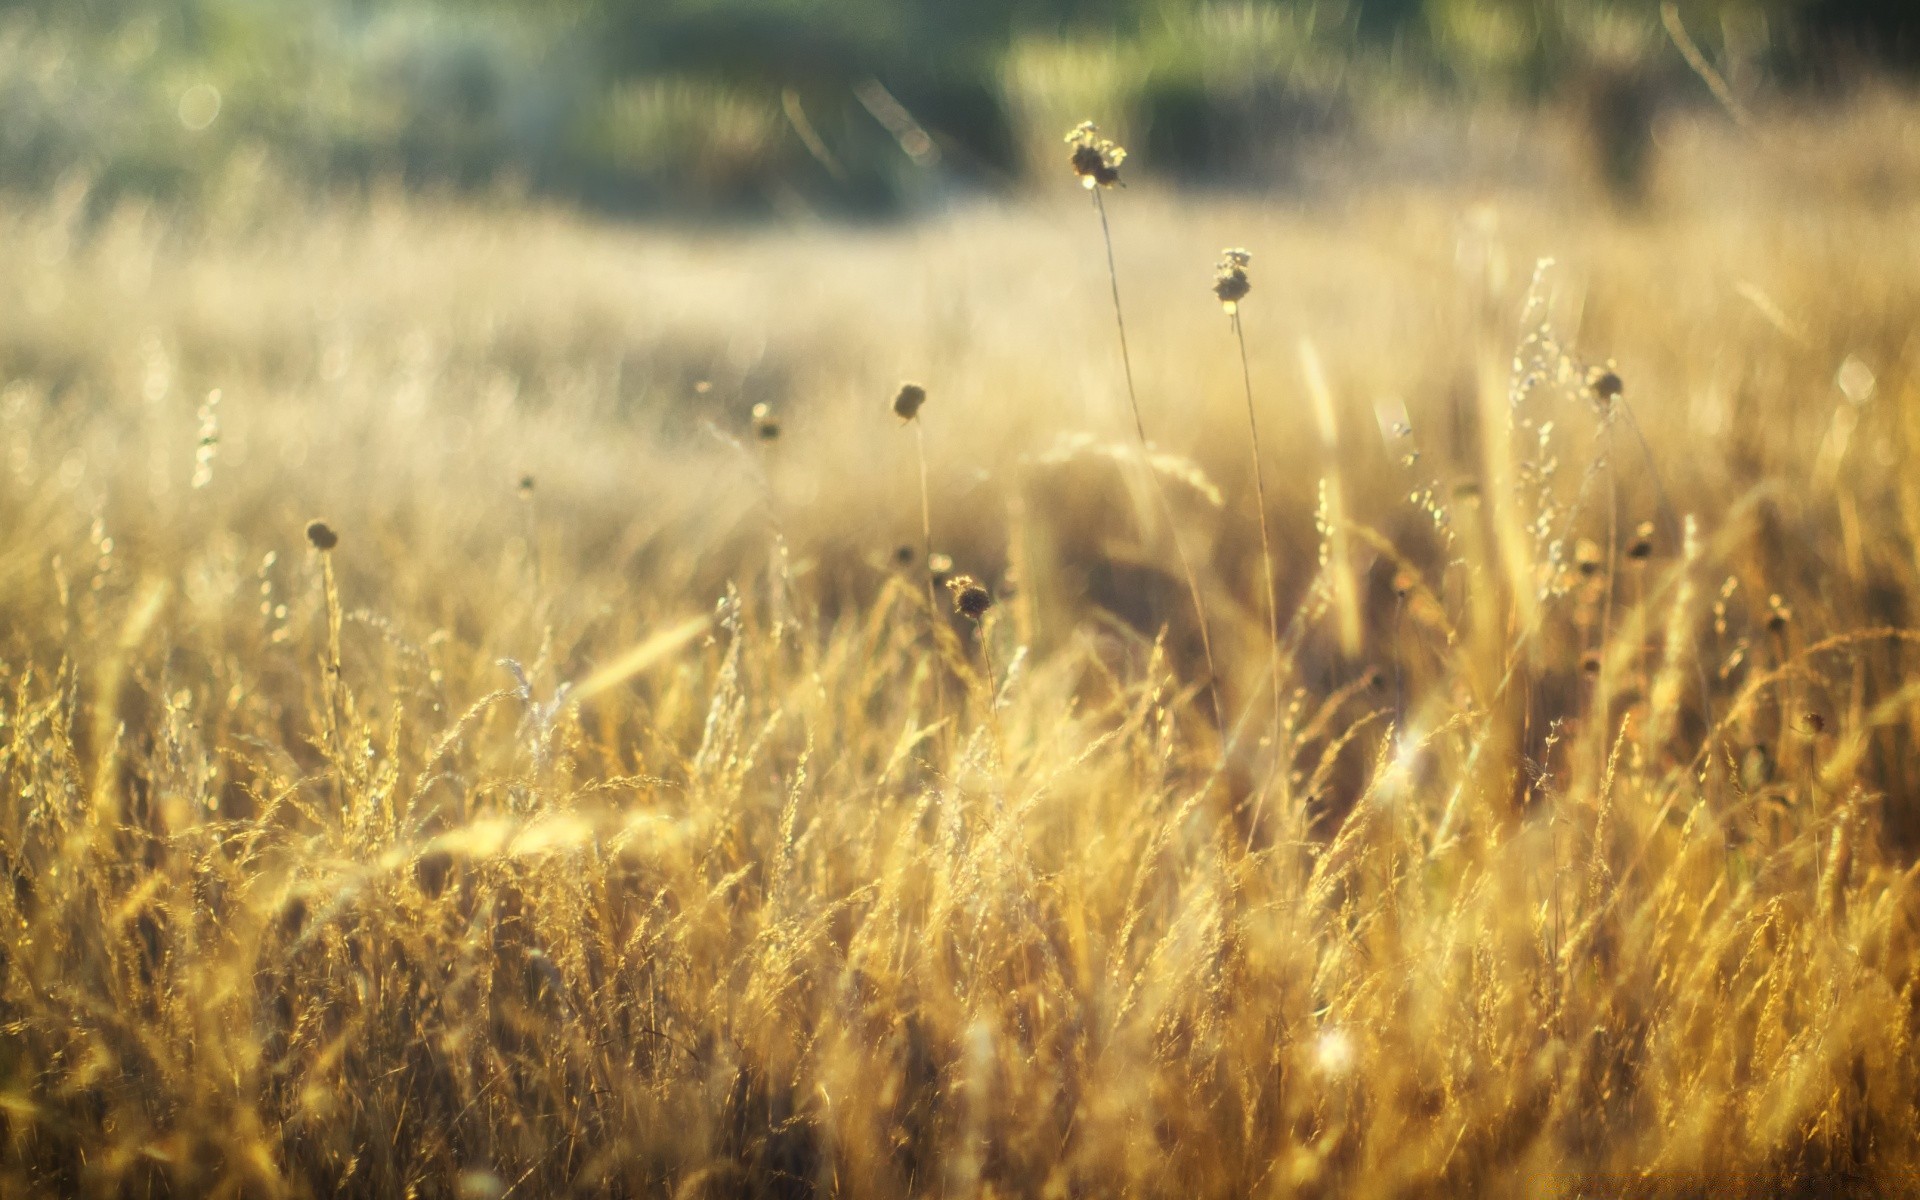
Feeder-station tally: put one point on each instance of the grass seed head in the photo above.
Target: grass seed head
(322, 536)
(906, 404)
(1230, 282)
(1095, 159)
(1605, 384)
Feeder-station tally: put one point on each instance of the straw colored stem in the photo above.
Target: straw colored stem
(1159, 491)
(1266, 569)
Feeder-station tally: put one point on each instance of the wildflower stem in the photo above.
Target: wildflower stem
(1613, 557)
(1160, 492)
(332, 592)
(1119, 317)
(1266, 571)
(933, 601)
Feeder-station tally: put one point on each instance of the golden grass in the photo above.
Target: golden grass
(626, 854)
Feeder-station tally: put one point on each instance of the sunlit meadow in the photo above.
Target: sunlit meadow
(677, 763)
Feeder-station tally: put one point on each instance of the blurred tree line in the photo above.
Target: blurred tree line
(834, 105)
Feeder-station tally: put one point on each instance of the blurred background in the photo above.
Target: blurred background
(868, 108)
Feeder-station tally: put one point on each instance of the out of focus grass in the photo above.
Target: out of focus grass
(604, 814)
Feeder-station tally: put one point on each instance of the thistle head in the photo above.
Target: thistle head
(1095, 159)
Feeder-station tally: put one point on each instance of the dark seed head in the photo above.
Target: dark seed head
(1779, 614)
(766, 426)
(970, 599)
(903, 556)
(1605, 384)
(1096, 160)
(526, 487)
(1590, 663)
(906, 405)
(1642, 547)
(1587, 557)
(1230, 282)
(322, 535)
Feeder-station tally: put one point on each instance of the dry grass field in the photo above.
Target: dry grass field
(602, 813)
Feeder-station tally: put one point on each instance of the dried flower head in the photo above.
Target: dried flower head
(940, 566)
(1641, 548)
(1816, 723)
(766, 426)
(1605, 384)
(1095, 159)
(970, 599)
(1230, 281)
(1590, 663)
(903, 556)
(906, 405)
(322, 535)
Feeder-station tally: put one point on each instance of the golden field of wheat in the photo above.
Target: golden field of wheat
(478, 716)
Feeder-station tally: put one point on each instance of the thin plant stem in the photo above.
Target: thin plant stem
(1160, 492)
(981, 632)
(1603, 682)
(332, 592)
(933, 601)
(1266, 572)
